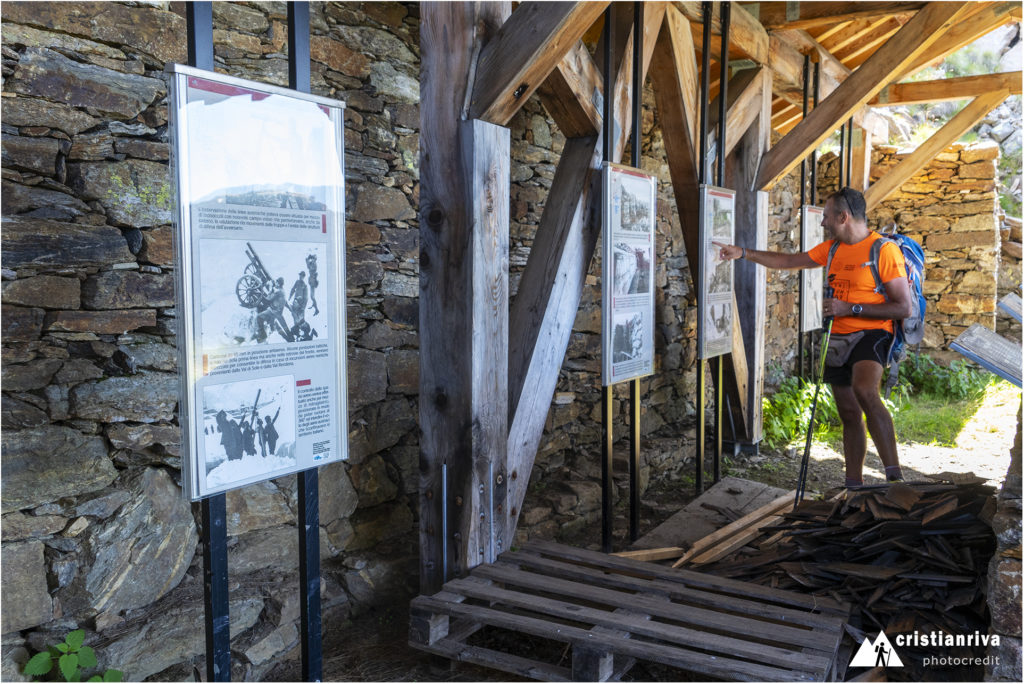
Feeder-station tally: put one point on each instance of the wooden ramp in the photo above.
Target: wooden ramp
(603, 613)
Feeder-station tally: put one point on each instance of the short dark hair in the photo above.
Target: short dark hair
(851, 201)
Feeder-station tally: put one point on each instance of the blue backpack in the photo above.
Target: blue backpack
(909, 330)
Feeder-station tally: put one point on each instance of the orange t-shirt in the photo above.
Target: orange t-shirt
(853, 281)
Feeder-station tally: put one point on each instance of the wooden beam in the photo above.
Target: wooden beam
(670, 69)
(777, 15)
(866, 44)
(676, 58)
(926, 152)
(860, 168)
(913, 39)
(852, 34)
(463, 300)
(747, 91)
(747, 38)
(573, 92)
(526, 49)
(544, 309)
(945, 89)
(983, 19)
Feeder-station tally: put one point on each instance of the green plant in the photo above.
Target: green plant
(71, 657)
(787, 411)
(959, 380)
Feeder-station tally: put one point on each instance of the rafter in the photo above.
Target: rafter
(525, 50)
(979, 21)
(854, 32)
(573, 92)
(926, 152)
(912, 40)
(777, 14)
(867, 43)
(746, 94)
(945, 89)
(747, 38)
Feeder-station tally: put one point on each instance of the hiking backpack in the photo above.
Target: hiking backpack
(909, 330)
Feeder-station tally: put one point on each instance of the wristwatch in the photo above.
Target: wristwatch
(856, 309)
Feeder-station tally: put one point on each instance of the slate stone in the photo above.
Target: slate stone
(979, 152)
(24, 571)
(400, 284)
(372, 483)
(975, 223)
(133, 192)
(1004, 595)
(136, 557)
(380, 523)
(375, 42)
(154, 31)
(44, 73)
(233, 44)
(375, 202)
(138, 437)
(148, 397)
(338, 57)
(393, 84)
(18, 526)
(21, 324)
(45, 291)
(367, 378)
(143, 149)
(255, 507)
(39, 202)
(157, 356)
(278, 641)
(240, 18)
(359, 234)
(29, 376)
(404, 371)
(128, 290)
(75, 371)
(965, 304)
(26, 111)
(40, 243)
(37, 464)
(381, 335)
(102, 506)
(175, 625)
(35, 155)
(960, 240)
(157, 246)
(17, 414)
(387, 424)
(101, 322)
(338, 498)
(402, 310)
(93, 147)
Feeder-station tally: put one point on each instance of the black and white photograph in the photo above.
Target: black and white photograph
(632, 269)
(260, 292)
(721, 216)
(719, 272)
(628, 337)
(636, 212)
(718, 328)
(248, 430)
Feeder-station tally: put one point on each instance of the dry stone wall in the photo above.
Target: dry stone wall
(95, 531)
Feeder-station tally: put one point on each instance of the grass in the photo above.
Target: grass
(932, 419)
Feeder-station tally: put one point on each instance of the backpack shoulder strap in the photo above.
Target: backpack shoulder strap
(876, 253)
(828, 262)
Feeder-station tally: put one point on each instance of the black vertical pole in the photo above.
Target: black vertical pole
(606, 392)
(705, 87)
(801, 335)
(849, 152)
(816, 91)
(842, 156)
(308, 480)
(217, 617)
(723, 94)
(634, 385)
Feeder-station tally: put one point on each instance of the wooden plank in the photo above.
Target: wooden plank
(460, 234)
(774, 15)
(617, 621)
(654, 604)
(747, 37)
(926, 152)
(546, 304)
(852, 33)
(860, 169)
(676, 58)
(740, 525)
(945, 89)
(573, 92)
(746, 94)
(913, 39)
(735, 542)
(670, 655)
(855, 55)
(983, 18)
(650, 555)
(497, 660)
(679, 576)
(525, 50)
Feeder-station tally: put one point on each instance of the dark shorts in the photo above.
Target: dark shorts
(874, 346)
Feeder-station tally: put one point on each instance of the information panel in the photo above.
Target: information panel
(811, 234)
(628, 293)
(715, 295)
(260, 235)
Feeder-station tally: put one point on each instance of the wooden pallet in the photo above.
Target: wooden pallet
(607, 612)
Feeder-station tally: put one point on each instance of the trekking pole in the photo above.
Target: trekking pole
(802, 479)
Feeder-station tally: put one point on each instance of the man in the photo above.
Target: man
(857, 308)
(273, 316)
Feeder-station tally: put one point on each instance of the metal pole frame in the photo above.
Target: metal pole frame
(801, 335)
(723, 93)
(702, 174)
(634, 385)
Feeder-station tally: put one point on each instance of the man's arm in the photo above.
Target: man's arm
(899, 304)
(766, 258)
